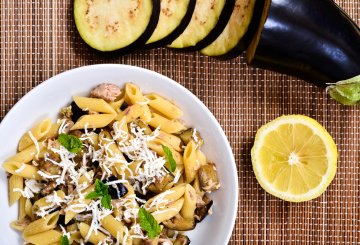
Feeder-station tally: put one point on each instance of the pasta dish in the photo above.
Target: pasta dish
(117, 167)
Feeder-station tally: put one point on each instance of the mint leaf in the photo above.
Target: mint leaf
(93, 195)
(100, 187)
(106, 201)
(64, 240)
(101, 191)
(169, 158)
(70, 142)
(149, 223)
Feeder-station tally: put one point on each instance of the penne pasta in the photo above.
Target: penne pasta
(29, 209)
(114, 227)
(169, 211)
(21, 169)
(94, 121)
(190, 161)
(164, 106)
(93, 237)
(159, 201)
(93, 104)
(169, 126)
(22, 213)
(38, 132)
(15, 182)
(44, 238)
(190, 198)
(157, 146)
(28, 154)
(42, 202)
(49, 222)
(171, 140)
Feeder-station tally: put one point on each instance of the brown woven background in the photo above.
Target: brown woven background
(39, 40)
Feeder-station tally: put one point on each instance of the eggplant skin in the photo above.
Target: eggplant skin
(314, 40)
(219, 27)
(177, 31)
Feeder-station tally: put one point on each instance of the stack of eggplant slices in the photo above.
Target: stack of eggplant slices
(218, 28)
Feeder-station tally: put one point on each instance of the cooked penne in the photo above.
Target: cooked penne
(172, 140)
(190, 161)
(169, 126)
(21, 169)
(72, 209)
(49, 222)
(22, 213)
(93, 237)
(35, 134)
(190, 198)
(159, 201)
(29, 209)
(164, 106)
(15, 182)
(19, 225)
(42, 202)
(104, 167)
(28, 154)
(44, 238)
(169, 211)
(94, 121)
(93, 104)
(114, 227)
(156, 145)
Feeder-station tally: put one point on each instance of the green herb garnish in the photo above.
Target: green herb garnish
(101, 191)
(70, 142)
(169, 158)
(346, 92)
(149, 223)
(64, 240)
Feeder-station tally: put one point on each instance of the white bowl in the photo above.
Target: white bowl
(47, 99)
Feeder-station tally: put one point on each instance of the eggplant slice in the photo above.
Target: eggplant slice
(174, 17)
(205, 18)
(238, 32)
(116, 25)
(314, 40)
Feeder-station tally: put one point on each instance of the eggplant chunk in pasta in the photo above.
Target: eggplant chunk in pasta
(117, 167)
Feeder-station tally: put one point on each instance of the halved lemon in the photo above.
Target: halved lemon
(294, 158)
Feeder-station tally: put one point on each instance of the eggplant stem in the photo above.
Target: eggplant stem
(346, 92)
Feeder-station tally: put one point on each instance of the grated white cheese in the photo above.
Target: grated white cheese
(35, 143)
(47, 176)
(196, 139)
(22, 167)
(150, 167)
(31, 187)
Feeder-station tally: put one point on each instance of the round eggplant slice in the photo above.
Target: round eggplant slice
(121, 25)
(174, 17)
(204, 19)
(313, 40)
(236, 35)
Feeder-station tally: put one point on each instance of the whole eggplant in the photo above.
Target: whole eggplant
(312, 39)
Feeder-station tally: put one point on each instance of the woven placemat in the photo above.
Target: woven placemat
(39, 40)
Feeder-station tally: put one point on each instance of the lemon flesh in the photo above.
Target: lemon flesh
(294, 158)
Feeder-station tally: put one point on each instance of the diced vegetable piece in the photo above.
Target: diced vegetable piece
(182, 240)
(178, 223)
(203, 210)
(208, 177)
(190, 134)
